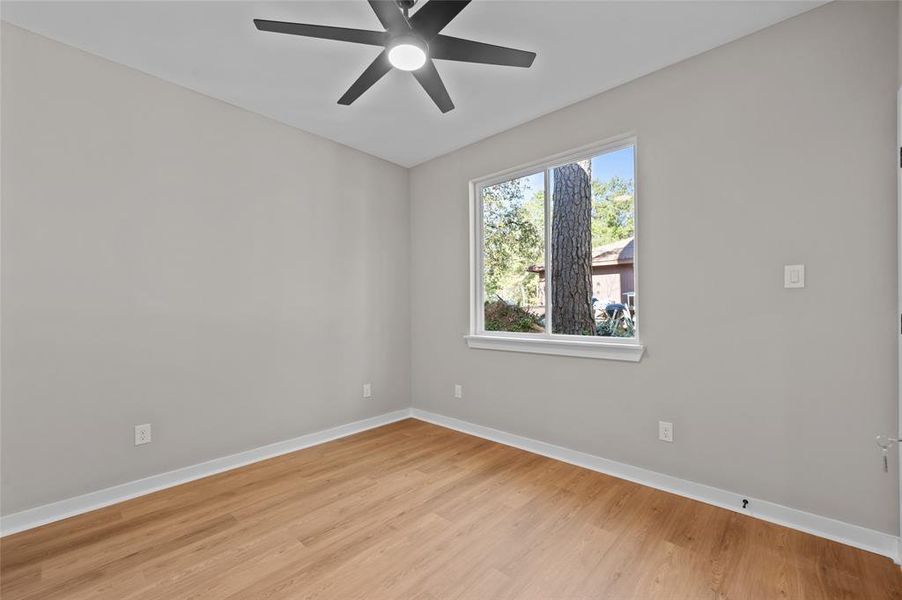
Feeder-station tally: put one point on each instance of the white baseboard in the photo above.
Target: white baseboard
(48, 513)
(825, 527)
(845, 533)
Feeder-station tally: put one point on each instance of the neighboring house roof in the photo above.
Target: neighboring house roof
(616, 253)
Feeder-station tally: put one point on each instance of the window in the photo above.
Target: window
(554, 256)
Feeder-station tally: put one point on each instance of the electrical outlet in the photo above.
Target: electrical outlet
(142, 434)
(458, 391)
(367, 390)
(665, 431)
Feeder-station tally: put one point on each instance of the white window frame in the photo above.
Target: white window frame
(625, 349)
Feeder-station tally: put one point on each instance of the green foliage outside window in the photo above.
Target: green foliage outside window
(612, 211)
(501, 316)
(513, 241)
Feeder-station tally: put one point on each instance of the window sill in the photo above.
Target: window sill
(626, 351)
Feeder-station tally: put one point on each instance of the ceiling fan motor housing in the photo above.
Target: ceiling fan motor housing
(404, 39)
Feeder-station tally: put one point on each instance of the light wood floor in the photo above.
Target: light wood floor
(411, 510)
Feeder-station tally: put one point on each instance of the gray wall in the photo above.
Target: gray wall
(776, 149)
(168, 258)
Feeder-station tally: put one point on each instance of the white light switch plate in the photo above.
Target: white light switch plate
(794, 276)
(367, 390)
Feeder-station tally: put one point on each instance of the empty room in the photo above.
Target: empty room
(395, 299)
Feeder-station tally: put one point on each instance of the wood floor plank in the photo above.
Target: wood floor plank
(412, 510)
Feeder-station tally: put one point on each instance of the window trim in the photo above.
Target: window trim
(626, 349)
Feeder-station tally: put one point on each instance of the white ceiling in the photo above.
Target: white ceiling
(583, 48)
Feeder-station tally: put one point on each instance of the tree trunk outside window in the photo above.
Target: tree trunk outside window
(571, 250)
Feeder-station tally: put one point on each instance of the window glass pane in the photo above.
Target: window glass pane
(513, 214)
(592, 246)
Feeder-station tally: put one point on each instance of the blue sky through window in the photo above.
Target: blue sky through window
(614, 164)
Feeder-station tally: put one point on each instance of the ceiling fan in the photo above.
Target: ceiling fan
(411, 43)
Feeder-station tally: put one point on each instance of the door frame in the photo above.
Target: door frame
(898, 432)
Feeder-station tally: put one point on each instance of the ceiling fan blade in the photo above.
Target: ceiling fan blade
(435, 14)
(373, 73)
(342, 34)
(429, 78)
(390, 15)
(451, 48)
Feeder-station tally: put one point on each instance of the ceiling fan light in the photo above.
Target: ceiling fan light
(408, 54)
